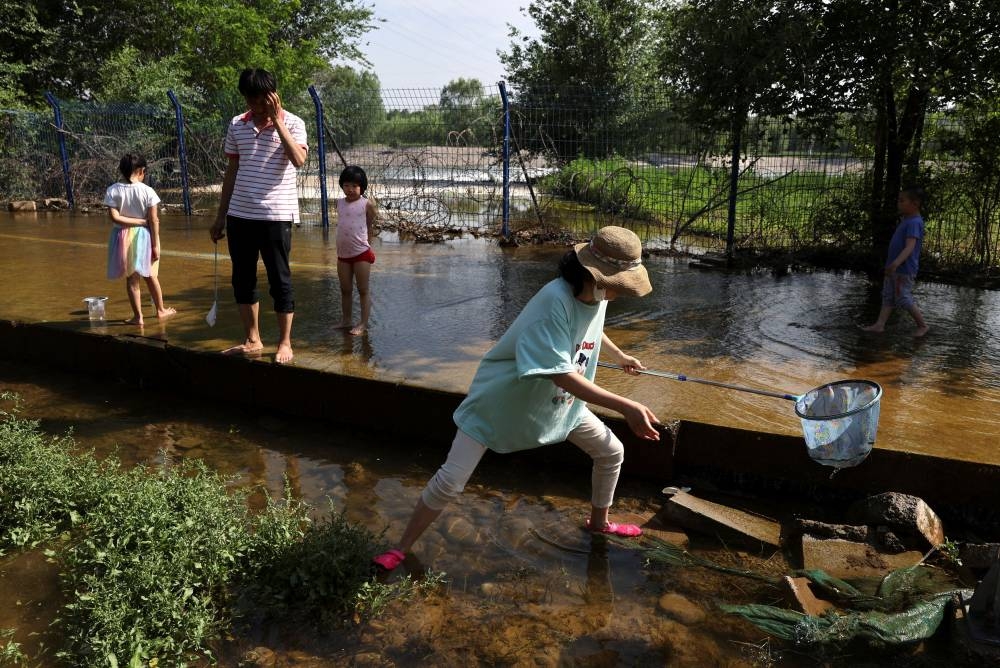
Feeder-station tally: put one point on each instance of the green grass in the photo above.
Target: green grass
(696, 197)
(156, 563)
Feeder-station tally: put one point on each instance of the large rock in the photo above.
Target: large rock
(904, 513)
(978, 555)
(22, 205)
(858, 534)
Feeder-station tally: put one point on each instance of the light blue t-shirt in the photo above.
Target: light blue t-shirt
(912, 226)
(511, 404)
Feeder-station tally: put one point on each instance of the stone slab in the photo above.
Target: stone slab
(691, 512)
(801, 597)
(846, 559)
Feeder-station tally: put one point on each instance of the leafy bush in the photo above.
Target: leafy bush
(154, 559)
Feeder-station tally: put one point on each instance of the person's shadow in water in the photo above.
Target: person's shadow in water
(598, 592)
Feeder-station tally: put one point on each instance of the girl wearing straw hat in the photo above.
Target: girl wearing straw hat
(533, 387)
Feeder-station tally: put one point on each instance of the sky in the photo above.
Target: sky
(428, 43)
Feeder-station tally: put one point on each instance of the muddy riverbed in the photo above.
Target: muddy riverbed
(525, 586)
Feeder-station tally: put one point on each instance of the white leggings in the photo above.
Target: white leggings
(592, 436)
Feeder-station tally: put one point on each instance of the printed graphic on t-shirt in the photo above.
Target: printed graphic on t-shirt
(581, 359)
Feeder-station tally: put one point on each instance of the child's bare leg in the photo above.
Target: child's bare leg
(345, 273)
(879, 324)
(918, 317)
(153, 283)
(363, 271)
(134, 299)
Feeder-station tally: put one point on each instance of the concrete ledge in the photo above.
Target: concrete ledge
(756, 462)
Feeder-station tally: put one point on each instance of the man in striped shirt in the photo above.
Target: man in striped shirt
(259, 205)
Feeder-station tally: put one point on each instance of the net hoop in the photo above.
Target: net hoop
(854, 411)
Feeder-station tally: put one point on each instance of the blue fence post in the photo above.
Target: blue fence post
(321, 147)
(182, 151)
(54, 103)
(734, 186)
(506, 160)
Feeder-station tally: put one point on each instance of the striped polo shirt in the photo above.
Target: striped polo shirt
(265, 186)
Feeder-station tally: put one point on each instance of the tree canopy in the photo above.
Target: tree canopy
(591, 55)
(352, 103)
(895, 60)
(63, 46)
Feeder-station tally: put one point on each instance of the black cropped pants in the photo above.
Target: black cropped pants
(271, 241)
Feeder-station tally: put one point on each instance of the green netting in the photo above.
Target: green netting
(885, 628)
(908, 605)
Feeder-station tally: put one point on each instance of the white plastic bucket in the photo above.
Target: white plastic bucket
(95, 307)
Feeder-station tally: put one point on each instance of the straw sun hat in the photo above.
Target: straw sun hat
(614, 258)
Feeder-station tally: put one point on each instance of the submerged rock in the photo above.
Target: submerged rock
(684, 611)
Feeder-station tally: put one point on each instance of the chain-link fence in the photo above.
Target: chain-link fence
(29, 167)
(575, 160)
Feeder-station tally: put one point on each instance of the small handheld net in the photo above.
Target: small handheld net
(839, 421)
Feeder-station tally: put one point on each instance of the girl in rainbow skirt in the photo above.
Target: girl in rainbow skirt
(134, 244)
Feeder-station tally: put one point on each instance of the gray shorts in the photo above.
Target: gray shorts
(897, 290)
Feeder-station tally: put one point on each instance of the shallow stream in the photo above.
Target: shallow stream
(438, 307)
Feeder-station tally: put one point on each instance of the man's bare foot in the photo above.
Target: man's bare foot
(921, 331)
(166, 313)
(284, 354)
(357, 330)
(246, 348)
(873, 328)
(134, 321)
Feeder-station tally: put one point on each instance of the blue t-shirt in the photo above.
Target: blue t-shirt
(912, 226)
(512, 405)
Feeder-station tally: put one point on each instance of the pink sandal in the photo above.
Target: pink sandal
(615, 529)
(389, 560)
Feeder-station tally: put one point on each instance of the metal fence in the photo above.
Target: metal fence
(487, 159)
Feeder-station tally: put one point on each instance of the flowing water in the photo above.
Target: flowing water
(438, 307)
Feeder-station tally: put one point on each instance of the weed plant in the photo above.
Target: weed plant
(11, 653)
(155, 561)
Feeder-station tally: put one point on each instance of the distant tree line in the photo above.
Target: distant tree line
(724, 62)
(637, 70)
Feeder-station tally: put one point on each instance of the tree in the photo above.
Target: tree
(901, 60)
(128, 75)
(467, 111)
(586, 74)
(896, 59)
(728, 59)
(25, 51)
(352, 103)
(62, 45)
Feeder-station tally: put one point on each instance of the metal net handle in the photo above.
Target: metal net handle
(703, 381)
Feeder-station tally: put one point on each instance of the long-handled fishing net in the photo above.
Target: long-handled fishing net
(213, 312)
(839, 419)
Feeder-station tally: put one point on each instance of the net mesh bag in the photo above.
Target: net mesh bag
(839, 421)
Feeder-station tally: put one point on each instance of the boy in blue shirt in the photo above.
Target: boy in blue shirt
(902, 263)
(533, 387)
